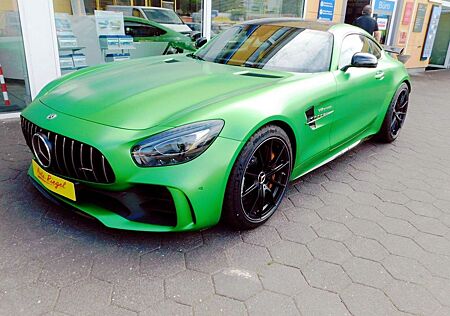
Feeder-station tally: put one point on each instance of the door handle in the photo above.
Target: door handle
(379, 75)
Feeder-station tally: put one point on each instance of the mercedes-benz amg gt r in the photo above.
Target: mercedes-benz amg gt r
(179, 143)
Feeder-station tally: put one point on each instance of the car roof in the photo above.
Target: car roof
(294, 22)
(335, 28)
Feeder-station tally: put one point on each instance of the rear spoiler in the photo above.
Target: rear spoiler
(393, 49)
(398, 51)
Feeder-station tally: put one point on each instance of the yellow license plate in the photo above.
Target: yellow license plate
(53, 183)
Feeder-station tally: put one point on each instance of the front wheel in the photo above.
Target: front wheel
(395, 115)
(259, 179)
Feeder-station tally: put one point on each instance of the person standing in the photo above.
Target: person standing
(367, 23)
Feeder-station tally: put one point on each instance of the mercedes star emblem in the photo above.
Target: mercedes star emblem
(42, 149)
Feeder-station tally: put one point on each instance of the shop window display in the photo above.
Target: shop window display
(14, 92)
(117, 30)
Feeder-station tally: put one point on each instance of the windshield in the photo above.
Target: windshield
(272, 47)
(162, 16)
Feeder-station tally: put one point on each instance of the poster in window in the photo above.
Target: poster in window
(407, 14)
(431, 32)
(420, 17)
(109, 23)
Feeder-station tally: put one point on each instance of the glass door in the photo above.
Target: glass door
(14, 92)
(440, 55)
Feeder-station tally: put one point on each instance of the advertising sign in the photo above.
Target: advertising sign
(109, 23)
(326, 10)
(431, 32)
(383, 6)
(420, 17)
(402, 37)
(63, 24)
(382, 23)
(407, 14)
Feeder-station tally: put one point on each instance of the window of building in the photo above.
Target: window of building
(12, 60)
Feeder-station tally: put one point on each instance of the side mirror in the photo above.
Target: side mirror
(362, 60)
(195, 35)
(200, 42)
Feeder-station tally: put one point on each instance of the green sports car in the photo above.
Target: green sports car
(179, 143)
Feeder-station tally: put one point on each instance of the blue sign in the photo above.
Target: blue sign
(383, 6)
(326, 10)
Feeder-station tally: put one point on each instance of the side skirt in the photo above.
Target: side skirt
(338, 154)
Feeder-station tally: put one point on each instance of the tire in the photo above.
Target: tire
(259, 179)
(395, 116)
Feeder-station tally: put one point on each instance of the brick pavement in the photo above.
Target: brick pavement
(367, 234)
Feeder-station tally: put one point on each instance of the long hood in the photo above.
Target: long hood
(143, 93)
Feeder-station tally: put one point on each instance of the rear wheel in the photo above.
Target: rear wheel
(259, 179)
(395, 115)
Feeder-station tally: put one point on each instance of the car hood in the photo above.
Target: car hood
(146, 92)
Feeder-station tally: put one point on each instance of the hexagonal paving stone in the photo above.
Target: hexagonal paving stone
(282, 279)
(138, 293)
(412, 298)
(19, 274)
(424, 209)
(263, 236)
(364, 211)
(189, 287)
(237, 283)
(407, 269)
(329, 250)
(296, 232)
(269, 303)
(291, 254)
(85, 297)
(306, 201)
(33, 299)
(115, 266)
(332, 230)
(66, 270)
(363, 300)
(168, 307)
(366, 248)
(440, 289)
(182, 241)
(162, 263)
(327, 276)
(334, 213)
(317, 302)
(219, 305)
(302, 215)
(208, 259)
(249, 257)
(366, 228)
(367, 272)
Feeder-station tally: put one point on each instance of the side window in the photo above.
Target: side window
(137, 13)
(374, 49)
(142, 30)
(351, 45)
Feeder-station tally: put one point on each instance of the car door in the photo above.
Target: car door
(360, 92)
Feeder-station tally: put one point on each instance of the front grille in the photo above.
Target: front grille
(72, 158)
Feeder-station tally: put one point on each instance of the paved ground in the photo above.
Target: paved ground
(366, 234)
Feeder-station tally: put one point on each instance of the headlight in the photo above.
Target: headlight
(177, 145)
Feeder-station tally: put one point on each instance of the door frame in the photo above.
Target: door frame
(447, 57)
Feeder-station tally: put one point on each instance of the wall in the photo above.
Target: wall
(312, 8)
(414, 41)
(62, 6)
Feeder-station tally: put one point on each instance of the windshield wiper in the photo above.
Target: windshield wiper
(192, 55)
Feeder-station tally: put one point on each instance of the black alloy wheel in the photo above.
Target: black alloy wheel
(265, 179)
(399, 112)
(259, 178)
(395, 115)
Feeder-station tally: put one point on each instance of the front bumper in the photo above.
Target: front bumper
(196, 188)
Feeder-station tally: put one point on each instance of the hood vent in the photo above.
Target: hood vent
(257, 74)
(171, 61)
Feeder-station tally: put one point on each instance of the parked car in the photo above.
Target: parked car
(143, 30)
(166, 17)
(176, 144)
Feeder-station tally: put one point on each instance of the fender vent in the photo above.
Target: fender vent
(171, 61)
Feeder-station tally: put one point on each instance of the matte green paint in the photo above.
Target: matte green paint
(113, 107)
